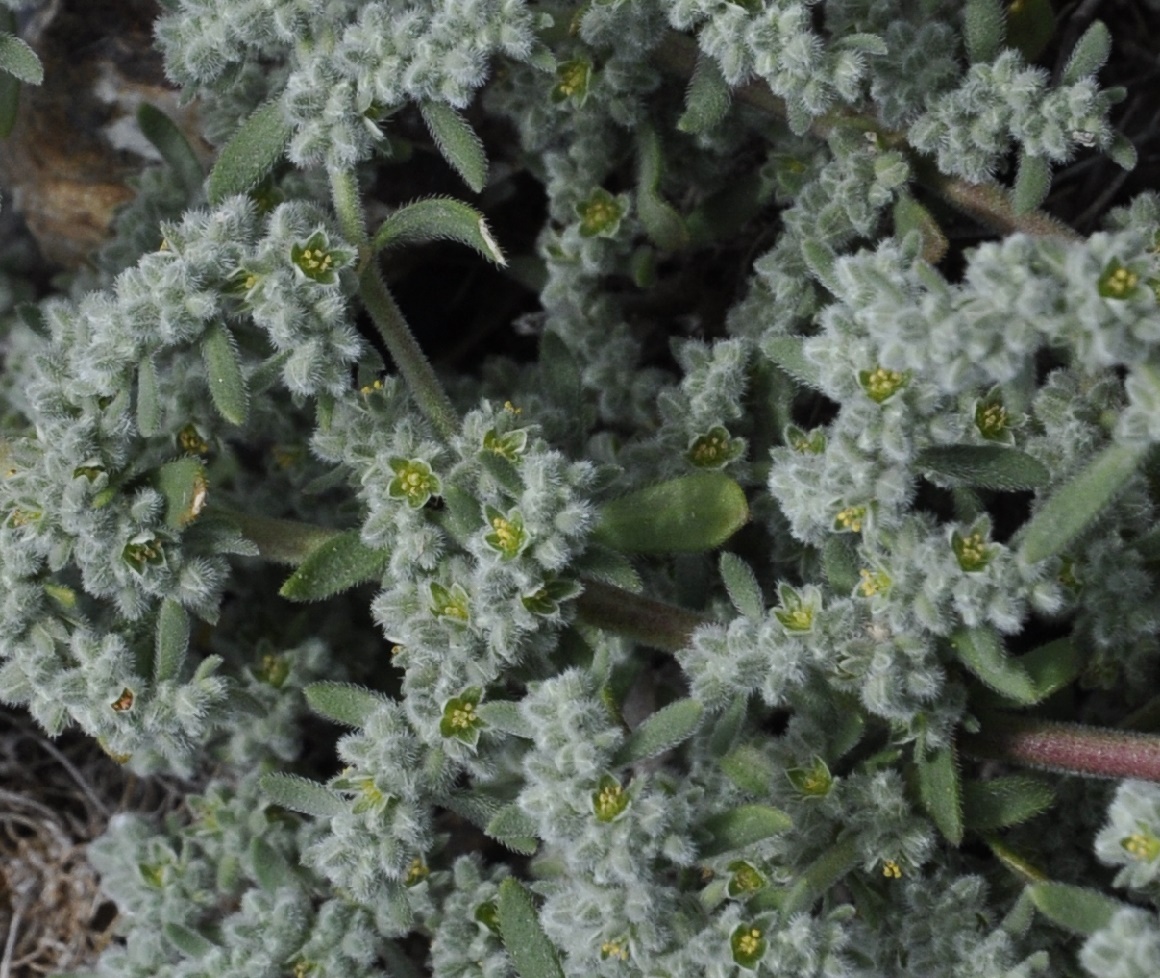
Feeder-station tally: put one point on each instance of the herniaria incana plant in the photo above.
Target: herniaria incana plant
(787, 606)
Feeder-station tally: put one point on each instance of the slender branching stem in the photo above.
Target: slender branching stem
(414, 366)
(989, 204)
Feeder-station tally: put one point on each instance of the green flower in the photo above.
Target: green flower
(141, 550)
(992, 420)
(507, 536)
(811, 443)
(317, 260)
(601, 213)
(881, 384)
(972, 550)
(416, 872)
(798, 609)
(450, 602)
(715, 449)
(745, 880)
(1142, 846)
(748, 946)
(414, 481)
(850, 519)
(814, 781)
(572, 79)
(1117, 281)
(609, 800)
(510, 445)
(487, 913)
(460, 719)
(545, 600)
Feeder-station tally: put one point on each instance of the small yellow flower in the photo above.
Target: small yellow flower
(873, 582)
(416, 872)
(881, 384)
(1118, 281)
(850, 519)
(1142, 846)
(609, 799)
(615, 949)
(891, 870)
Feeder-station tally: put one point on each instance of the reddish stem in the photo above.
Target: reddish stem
(1068, 748)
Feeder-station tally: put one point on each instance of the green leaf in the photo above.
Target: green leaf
(9, 103)
(343, 703)
(148, 399)
(223, 371)
(1032, 183)
(707, 99)
(749, 769)
(514, 829)
(302, 795)
(984, 26)
(183, 484)
(669, 726)
(171, 143)
(820, 875)
(457, 141)
(821, 259)
(189, 942)
(980, 650)
(938, 785)
(271, 870)
(337, 565)
(1073, 507)
(788, 352)
(1075, 908)
(1002, 802)
(661, 222)
(1089, 55)
(690, 514)
(724, 733)
(840, 562)
(1052, 666)
(1122, 152)
(742, 585)
(19, 60)
(505, 716)
(987, 466)
(909, 216)
(439, 218)
(531, 952)
(1030, 25)
(281, 541)
(740, 827)
(172, 641)
(251, 153)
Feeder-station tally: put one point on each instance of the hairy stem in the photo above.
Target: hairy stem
(408, 356)
(384, 311)
(652, 623)
(991, 205)
(1068, 748)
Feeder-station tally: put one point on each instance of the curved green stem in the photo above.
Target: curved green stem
(989, 204)
(348, 206)
(409, 357)
(384, 311)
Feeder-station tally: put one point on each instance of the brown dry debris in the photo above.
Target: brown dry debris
(54, 798)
